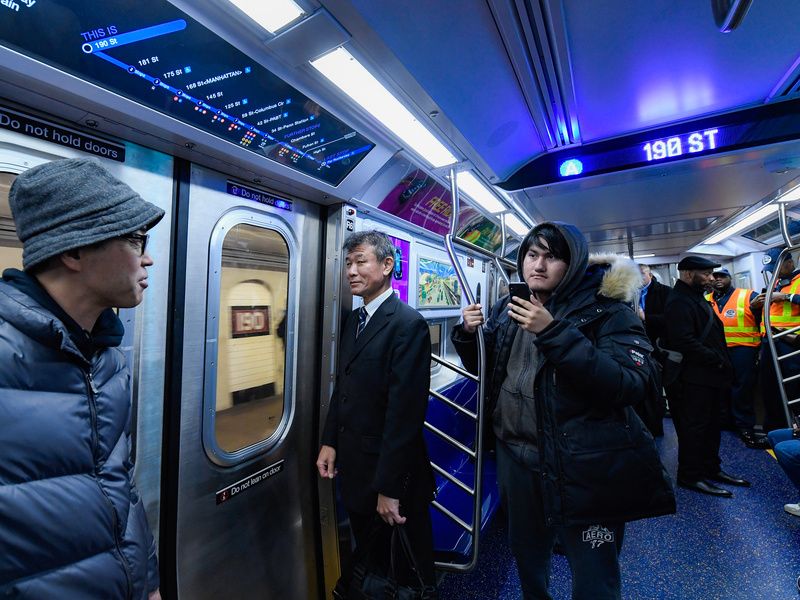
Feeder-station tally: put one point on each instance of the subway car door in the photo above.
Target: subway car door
(244, 516)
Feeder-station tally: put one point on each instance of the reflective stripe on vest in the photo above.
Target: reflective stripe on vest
(785, 314)
(736, 316)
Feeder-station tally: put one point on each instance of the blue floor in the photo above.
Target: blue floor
(713, 549)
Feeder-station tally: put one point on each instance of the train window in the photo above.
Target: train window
(436, 338)
(251, 350)
(437, 346)
(10, 246)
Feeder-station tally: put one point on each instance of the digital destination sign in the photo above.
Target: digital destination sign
(743, 129)
(160, 57)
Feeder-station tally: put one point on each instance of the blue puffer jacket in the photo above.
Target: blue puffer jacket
(71, 522)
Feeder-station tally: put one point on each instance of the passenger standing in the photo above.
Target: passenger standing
(373, 433)
(784, 314)
(73, 524)
(732, 307)
(652, 299)
(564, 367)
(705, 377)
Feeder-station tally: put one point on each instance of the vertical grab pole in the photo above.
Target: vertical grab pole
(766, 316)
(462, 280)
(500, 269)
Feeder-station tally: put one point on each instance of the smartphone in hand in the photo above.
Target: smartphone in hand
(519, 290)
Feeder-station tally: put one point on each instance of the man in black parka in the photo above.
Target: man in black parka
(565, 368)
(705, 376)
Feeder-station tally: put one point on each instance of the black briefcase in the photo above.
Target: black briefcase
(365, 582)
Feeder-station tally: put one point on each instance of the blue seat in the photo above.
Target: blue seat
(451, 542)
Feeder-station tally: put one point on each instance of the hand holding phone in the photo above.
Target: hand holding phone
(519, 290)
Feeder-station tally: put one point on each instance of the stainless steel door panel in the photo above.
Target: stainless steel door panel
(260, 542)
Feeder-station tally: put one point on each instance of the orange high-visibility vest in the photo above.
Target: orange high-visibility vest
(740, 323)
(785, 314)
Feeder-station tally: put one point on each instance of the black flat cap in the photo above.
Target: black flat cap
(696, 263)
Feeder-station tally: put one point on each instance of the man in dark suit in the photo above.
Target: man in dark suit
(652, 299)
(706, 374)
(373, 433)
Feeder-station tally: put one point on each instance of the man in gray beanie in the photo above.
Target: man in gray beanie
(73, 522)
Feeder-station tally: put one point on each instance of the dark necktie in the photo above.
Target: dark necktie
(362, 320)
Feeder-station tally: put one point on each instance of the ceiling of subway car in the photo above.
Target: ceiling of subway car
(514, 79)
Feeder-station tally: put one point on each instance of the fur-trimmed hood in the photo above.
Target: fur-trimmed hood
(622, 279)
(619, 277)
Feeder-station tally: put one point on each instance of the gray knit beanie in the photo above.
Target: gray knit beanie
(67, 204)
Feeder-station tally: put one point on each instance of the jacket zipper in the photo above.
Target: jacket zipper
(93, 391)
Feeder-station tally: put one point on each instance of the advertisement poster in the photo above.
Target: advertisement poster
(421, 200)
(402, 250)
(438, 285)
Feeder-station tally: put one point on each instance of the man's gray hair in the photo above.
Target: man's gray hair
(377, 239)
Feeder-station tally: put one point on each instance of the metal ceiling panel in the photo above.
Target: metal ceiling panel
(638, 65)
(453, 49)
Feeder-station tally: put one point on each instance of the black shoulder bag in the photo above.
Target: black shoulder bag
(365, 583)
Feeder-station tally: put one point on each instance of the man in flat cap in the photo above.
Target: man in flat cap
(784, 313)
(705, 376)
(73, 525)
(732, 306)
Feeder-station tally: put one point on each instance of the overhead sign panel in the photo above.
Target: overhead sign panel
(710, 135)
(162, 58)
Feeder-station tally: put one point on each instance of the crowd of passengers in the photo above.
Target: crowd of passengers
(726, 364)
(570, 362)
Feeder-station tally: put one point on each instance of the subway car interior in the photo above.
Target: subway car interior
(270, 131)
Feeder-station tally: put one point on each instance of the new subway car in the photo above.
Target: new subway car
(269, 131)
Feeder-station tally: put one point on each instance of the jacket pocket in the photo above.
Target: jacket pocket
(370, 444)
(598, 436)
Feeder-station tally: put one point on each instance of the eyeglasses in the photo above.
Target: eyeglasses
(138, 240)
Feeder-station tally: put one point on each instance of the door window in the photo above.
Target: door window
(10, 246)
(251, 341)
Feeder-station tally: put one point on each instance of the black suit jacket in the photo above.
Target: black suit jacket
(704, 363)
(377, 410)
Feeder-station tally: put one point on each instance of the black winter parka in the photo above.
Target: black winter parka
(598, 462)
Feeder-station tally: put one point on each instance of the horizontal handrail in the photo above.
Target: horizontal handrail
(453, 479)
(784, 332)
(469, 529)
(454, 367)
(789, 355)
(792, 378)
(483, 251)
(465, 449)
(795, 401)
(451, 404)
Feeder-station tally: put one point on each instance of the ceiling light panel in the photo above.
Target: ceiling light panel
(515, 224)
(478, 192)
(350, 76)
(753, 218)
(273, 15)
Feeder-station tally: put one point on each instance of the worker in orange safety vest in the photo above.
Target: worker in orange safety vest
(784, 314)
(742, 336)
